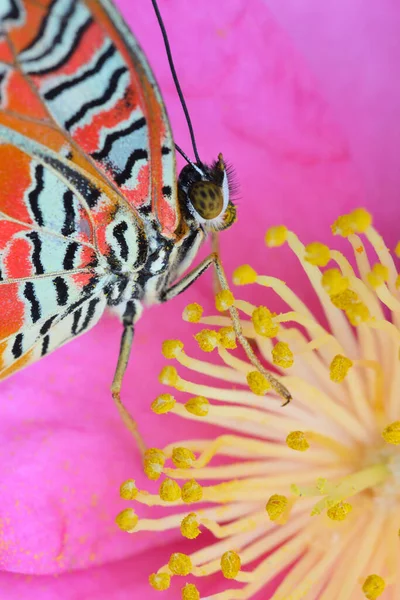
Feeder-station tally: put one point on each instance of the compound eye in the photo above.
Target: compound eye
(207, 199)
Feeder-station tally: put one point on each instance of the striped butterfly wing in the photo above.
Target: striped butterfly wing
(85, 152)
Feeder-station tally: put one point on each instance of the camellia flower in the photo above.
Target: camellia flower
(310, 490)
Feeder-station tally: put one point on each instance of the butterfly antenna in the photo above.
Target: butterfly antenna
(177, 84)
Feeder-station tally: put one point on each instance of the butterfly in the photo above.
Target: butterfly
(92, 213)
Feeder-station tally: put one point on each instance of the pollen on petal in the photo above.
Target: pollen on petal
(190, 592)
(391, 433)
(128, 490)
(183, 458)
(127, 519)
(169, 376)
(334, 282)
(193, 313)
(163, 404)
(169, 491)
(180, 564)
(190, 526)
(208, 339)
(244, 275)
(153, 463)
(171, 348)
(198, 406)
(192, 492)
(296, 440)
(276, 236)
(276, 506)
(339, 511)
(317, 254)
(282, 355)
(224, 300)
(230, 564)
(373, 587)
(227, 338)
(339, 368)
(361, 220)
(358, 313)
(257, 383)
(160, 581)
(263, 323)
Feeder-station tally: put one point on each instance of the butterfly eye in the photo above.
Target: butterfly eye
(207, 199)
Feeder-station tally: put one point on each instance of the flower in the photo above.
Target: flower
(310, 133)
(310, 490)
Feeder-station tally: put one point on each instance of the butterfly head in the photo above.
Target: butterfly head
(206, 193)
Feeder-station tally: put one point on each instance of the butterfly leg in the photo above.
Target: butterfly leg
(190, 278)
(123, 358)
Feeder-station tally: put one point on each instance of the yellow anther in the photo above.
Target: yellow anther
(276, 236)
(160, 581)
(276, 506)
(282, 355)
(317, 254)
(183, 458)
(227, 338)
(244, 275)
(169, 491)
(190, 527)
(190, 592)
(127, 519)
(208, 339)
(257, 383)
(373, 587)
(357, 313)
(171, 348)
(153, 463)
(198, 406)
(339, 368)
(163, 404)
(334, 282)
(128, 490)
(343, 226)
(169, 376)
(391, 433)
(224, 300)
(378, 275)
(339, 511)
(320, 484)
(263, 323)
(361, 219)
(192, 491)
(296, 440)
(397, 250)
(180, 564)
(397, 282)
(344, 300)
(230, 564)
(192, 313)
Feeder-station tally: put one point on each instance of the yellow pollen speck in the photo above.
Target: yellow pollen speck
(169, 491)
(378, 275)
(190, 527)
(230, 564)
(343, 226)
(397, 250)
(391, 433)
(163, 404)
(317, 254)
(192, 491)
(127, 519)
(180, 564)
(276, 236)
(361, 219)
(193, 313)
(244, 275)
(344, 300)
(276, 506)
(160, 581)
(183, 458)
(282, 355)
(296, 440)
(339, 511)
(334, 282)
(208, 339)
(357, 313)
(190, 592)
(263, 323)
(169, 376)
(128, 490)
(198, 406)
(339, 368)
(153, 463)
(373, 587)
(227, 338)
(257, 383)
(171, 348)
(224, 300)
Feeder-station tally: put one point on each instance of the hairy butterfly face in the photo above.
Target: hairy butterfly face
(206, 193)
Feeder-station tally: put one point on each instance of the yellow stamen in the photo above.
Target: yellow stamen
(160, 581)
(397, 250)
(190, 592)
(276, 236)
(257, 383)
(244, 275)
(171, 348)
(334, 282)
(343, 226)
(391, 433)
(378, 275)
(128, 490)
(198, 406)
(207, 339)
(317, 254)
(183, 458)
(164, 403)
(358, 313)
(230, 564)
(276, 506)
(153, 463)
(169, 491)
(263, 323)
(227, 338)
(193, 313)
(373, 587)
(345, 300)
(339, 368)
(224, 300)
(169, 376)
(190, 526)
(282, 355)
(192, 492)
(180, 564)
(361, 220)
(339, 511)
(127, 519)
(296, 440)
